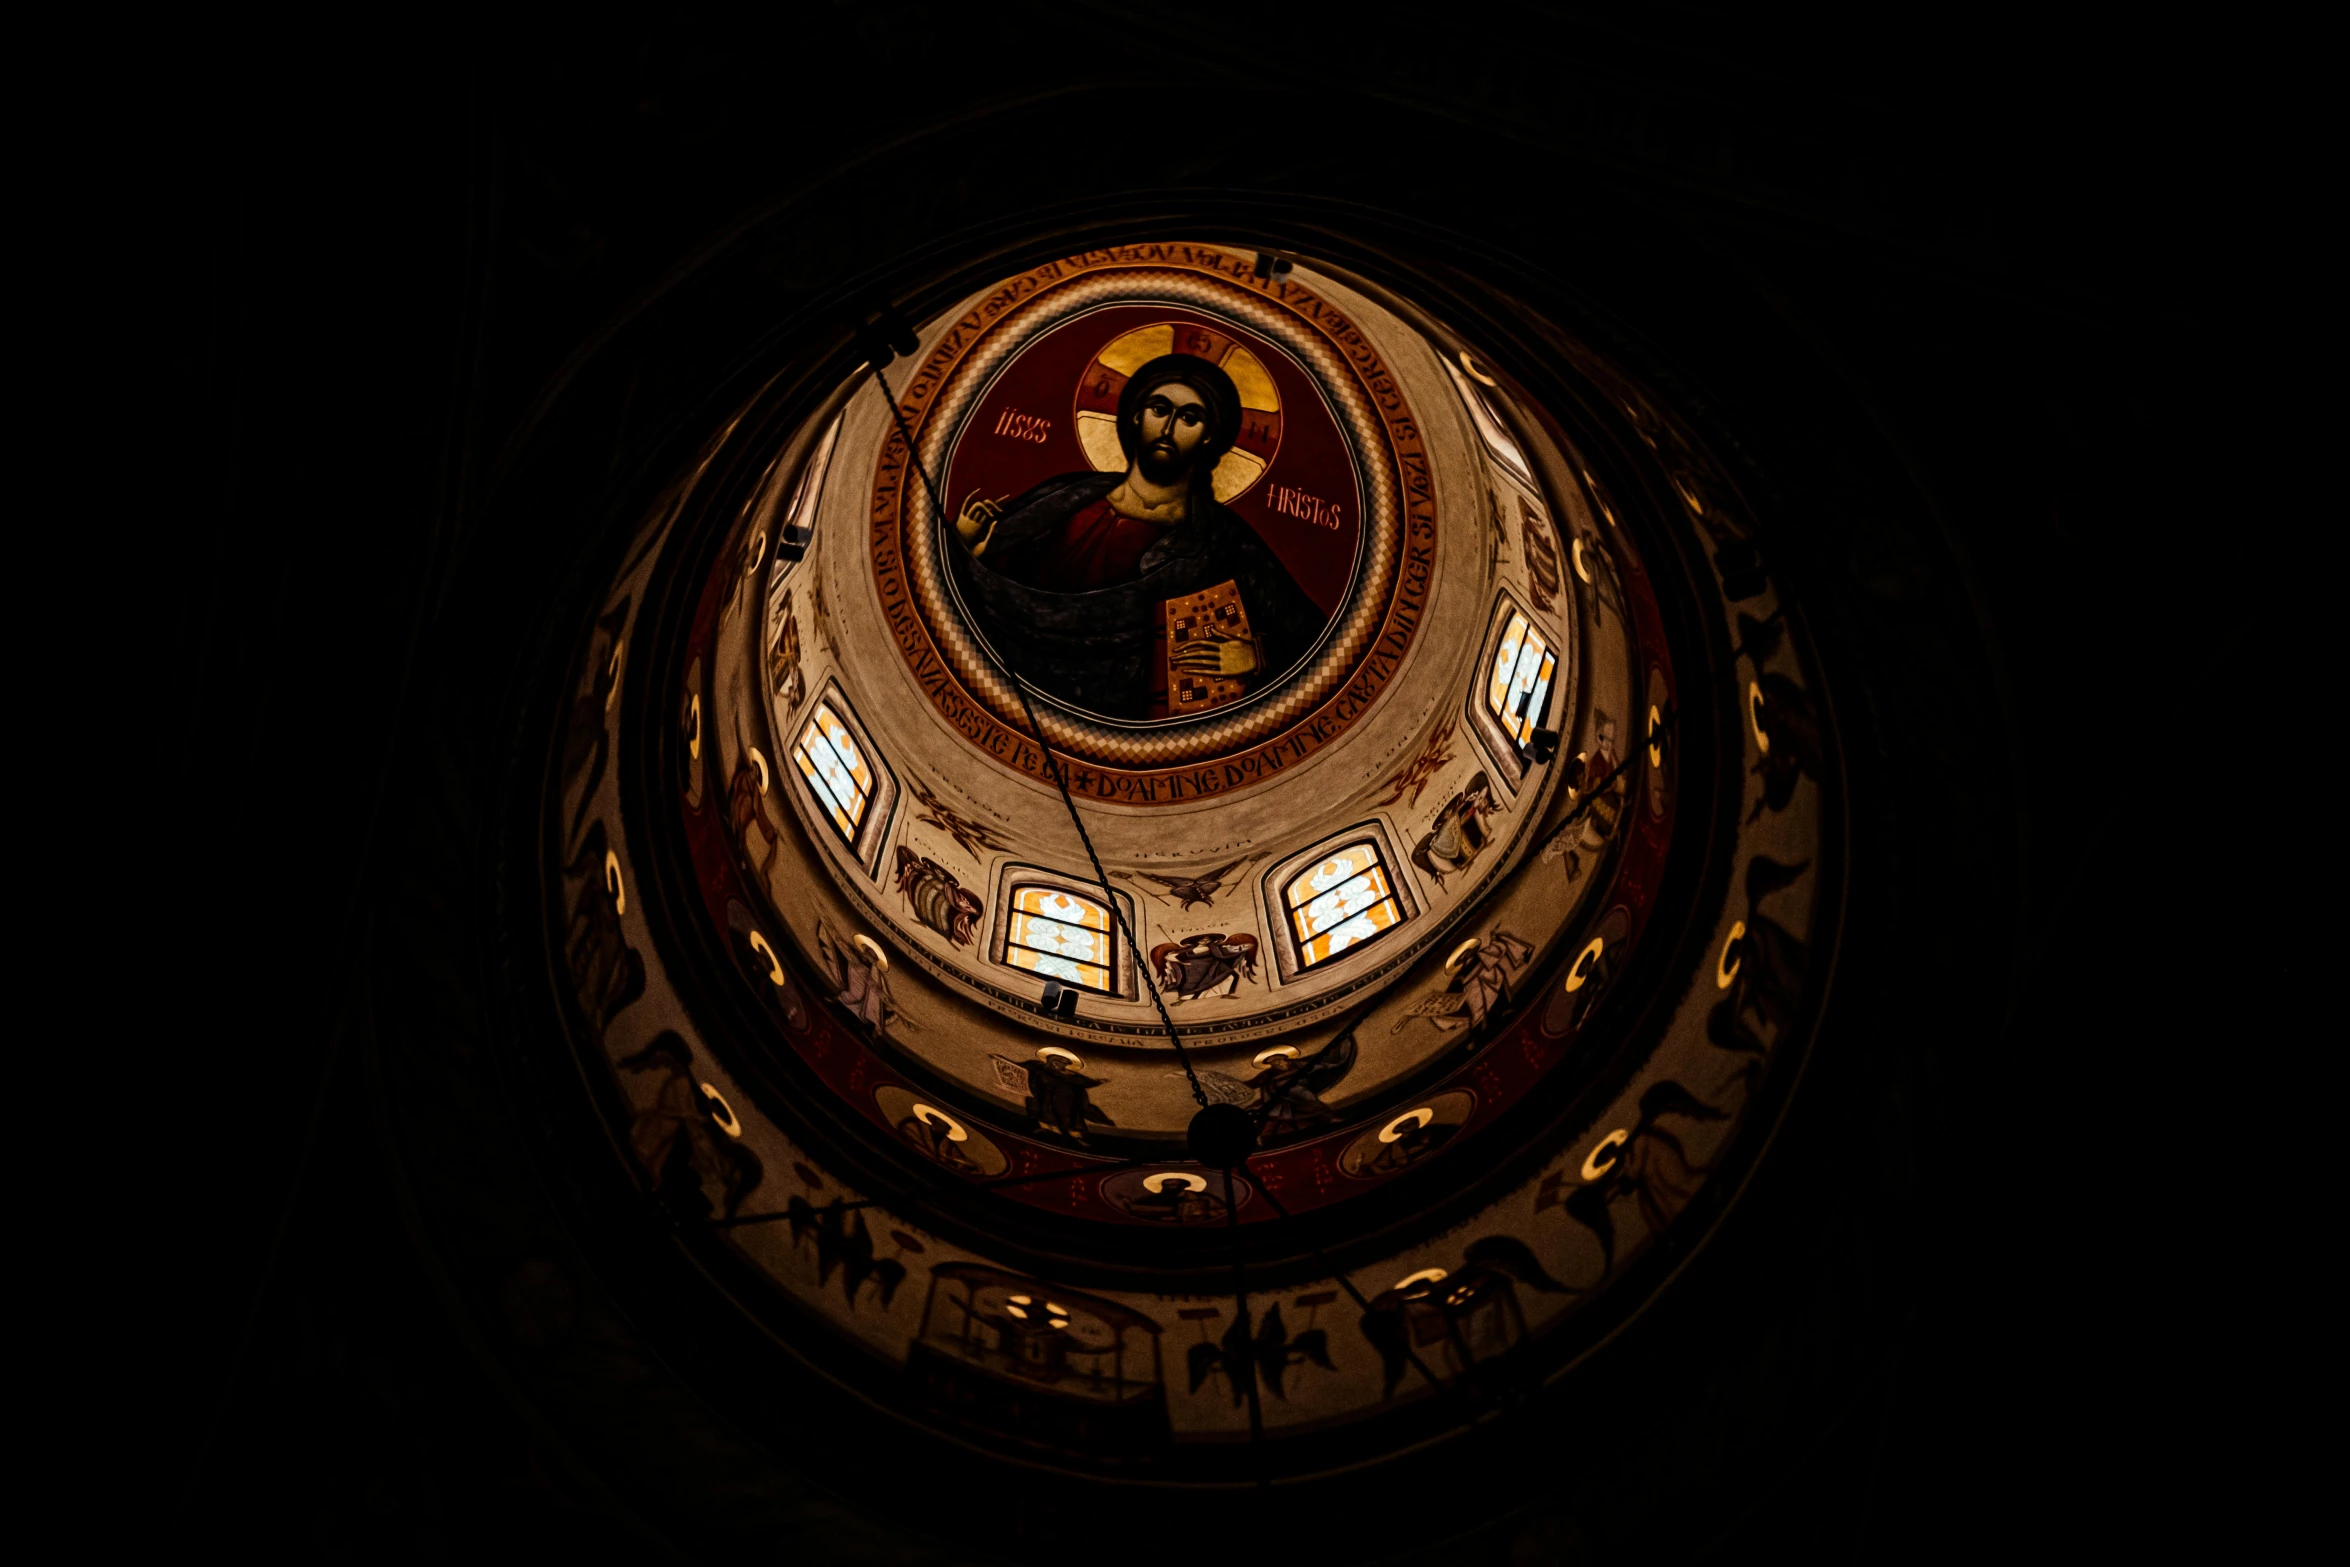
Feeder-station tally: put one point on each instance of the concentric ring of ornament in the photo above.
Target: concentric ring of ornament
(1703, 1069)
(938, 420)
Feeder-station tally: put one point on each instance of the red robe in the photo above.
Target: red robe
(1098, 547)
(1095, 548)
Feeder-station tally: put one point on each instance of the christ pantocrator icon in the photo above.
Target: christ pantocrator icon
(1070, 580)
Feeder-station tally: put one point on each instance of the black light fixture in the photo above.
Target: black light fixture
(886, 336)
(1543, 745)
(1270, 267)
(792, 543)
(1060, 1001)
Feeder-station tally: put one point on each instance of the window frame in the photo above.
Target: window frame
(863, 844)
(1536, 697)
(1512, 758)
(1290, 910)
(1012, 877)
(1289, 965)
(1014, 914)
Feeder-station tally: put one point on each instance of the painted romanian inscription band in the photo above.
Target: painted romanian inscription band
(1070, 579)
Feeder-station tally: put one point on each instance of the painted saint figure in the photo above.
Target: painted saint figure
(677, 1137)
(1070, 580)
(1060, 1096)
(1286, 1094)
(861, 971)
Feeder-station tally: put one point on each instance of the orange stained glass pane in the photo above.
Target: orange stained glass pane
(1505, 665)
(1069, 941)
(1520, 681)
(1336, 871)
(1541, 693)
(1091, 975)
(1526, 700)
(1061, 935)
(1053, 904)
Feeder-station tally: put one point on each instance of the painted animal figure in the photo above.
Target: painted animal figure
(936, 898)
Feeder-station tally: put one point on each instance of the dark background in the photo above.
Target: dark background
(2009, 274)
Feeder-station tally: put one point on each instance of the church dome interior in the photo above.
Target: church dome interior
(1003, 787)
(912, 952)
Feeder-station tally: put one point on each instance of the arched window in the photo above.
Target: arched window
(1338, 903)
(837, 772)
(1062, 935)
(1519, 691)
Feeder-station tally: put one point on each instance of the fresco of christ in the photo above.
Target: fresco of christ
(1070, 580)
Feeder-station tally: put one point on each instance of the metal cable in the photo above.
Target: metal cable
(1052, 764)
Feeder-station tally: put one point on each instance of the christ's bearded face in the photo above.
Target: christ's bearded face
(1174, 426)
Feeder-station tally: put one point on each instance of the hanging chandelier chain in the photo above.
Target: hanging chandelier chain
(1052, 763)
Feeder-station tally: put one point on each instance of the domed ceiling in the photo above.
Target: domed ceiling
(1183, 678)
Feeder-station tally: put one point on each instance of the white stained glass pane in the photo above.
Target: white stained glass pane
(844, 745)
(1505, 664)
(847, 783)
(822, 790)
(1068, 908)
(838, 781)
(1055, 967)
(1353, 932)
(1335, 871)
(1534, 665)
(1541, 693)
(1070, 941)
(1341, 903)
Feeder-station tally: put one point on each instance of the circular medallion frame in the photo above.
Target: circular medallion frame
(1362, 650)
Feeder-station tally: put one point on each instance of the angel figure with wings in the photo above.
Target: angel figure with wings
(1266, 1356)
(1285, 1096)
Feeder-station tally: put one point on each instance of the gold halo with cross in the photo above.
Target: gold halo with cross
(1104, 381)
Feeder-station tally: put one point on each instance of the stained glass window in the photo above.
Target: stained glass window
(1061, 935)
(1520, 687)
(837, 772)
(1340, 903)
